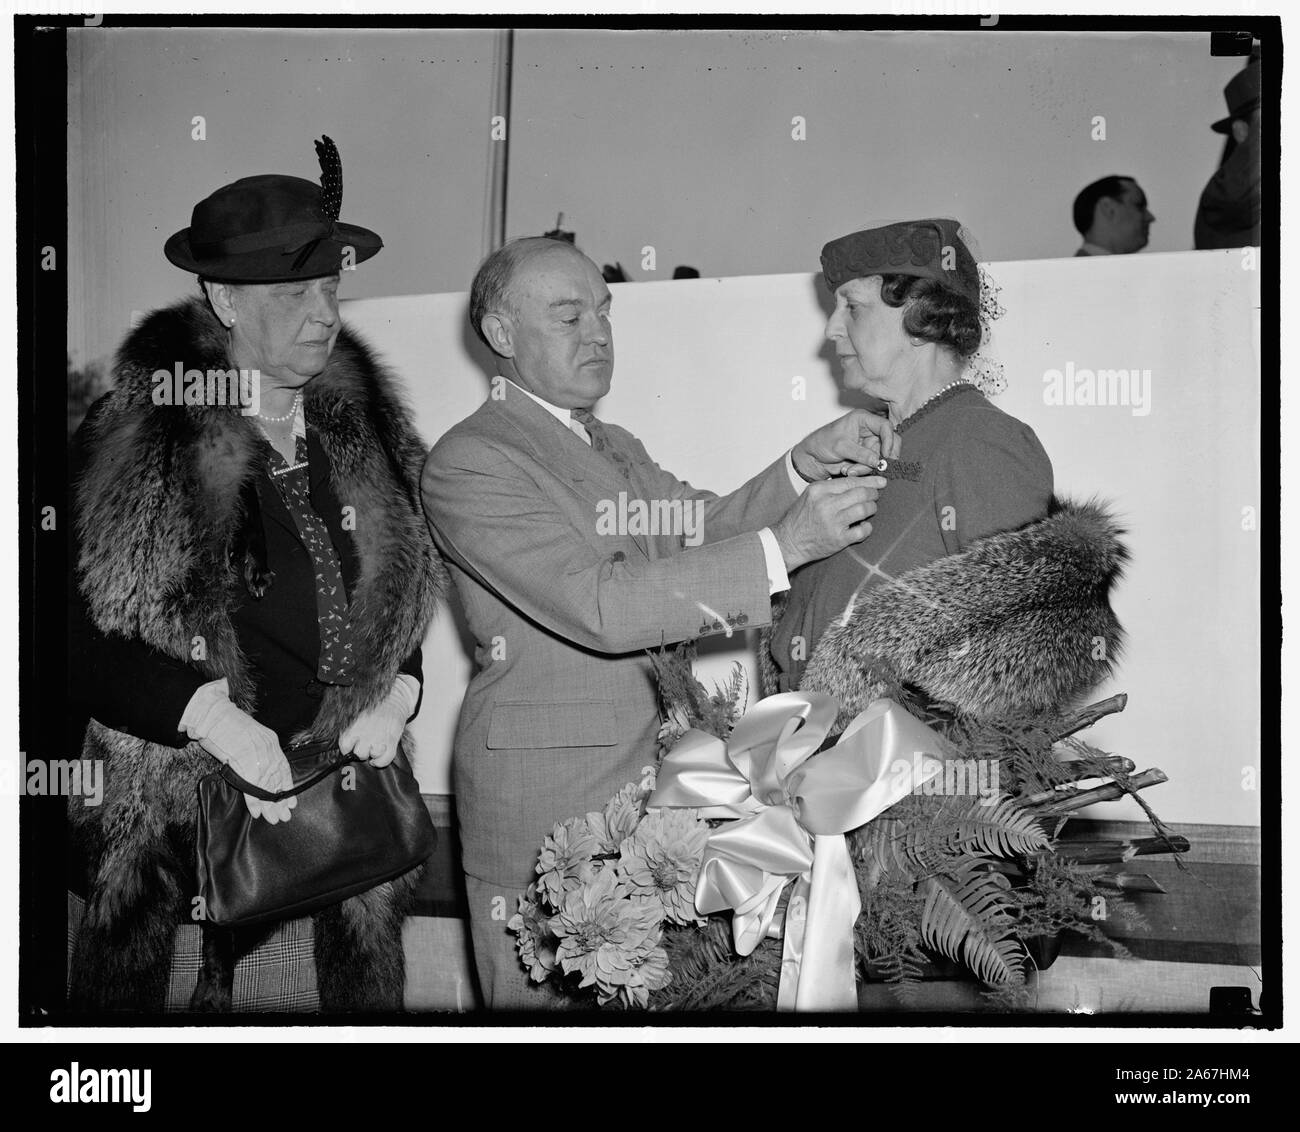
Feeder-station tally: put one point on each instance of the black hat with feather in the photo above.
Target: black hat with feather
(273, 229)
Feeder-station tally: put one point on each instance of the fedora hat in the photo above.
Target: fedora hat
(1242, 96)
(273, 229)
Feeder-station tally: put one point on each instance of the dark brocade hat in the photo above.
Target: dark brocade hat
(273, 229)
(928, 248)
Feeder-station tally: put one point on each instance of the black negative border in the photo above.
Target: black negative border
(40, 103)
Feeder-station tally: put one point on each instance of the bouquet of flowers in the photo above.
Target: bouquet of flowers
(607, 885)
(977, 880)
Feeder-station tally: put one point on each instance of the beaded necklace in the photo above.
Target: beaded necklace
(293, 411)
(930, 404)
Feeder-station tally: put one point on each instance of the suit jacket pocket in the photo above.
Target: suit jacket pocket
(582, 723)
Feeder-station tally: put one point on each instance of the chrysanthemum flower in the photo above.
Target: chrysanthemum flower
(604, 936)
(617, 821)
(536, 943)
(649, 973)
(661, 861)
(565, 862)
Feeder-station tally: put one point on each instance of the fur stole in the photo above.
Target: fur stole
(1019, 622)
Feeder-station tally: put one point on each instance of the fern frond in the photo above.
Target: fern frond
(1002, 830)
(685, 702)
(731, 698)
(709, 975)
(902, 973)
(967, 917)
(879, 845)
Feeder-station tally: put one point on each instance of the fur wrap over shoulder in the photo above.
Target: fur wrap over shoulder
(1018, 623)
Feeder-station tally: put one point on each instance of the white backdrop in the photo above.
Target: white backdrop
(679, 140)
(705, 376)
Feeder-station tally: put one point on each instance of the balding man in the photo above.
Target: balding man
(1112, 216)
(563, 599)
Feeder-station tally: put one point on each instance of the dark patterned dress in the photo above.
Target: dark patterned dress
(334, 665)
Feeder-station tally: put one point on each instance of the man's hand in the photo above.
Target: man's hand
(826, 518)
(850, 446)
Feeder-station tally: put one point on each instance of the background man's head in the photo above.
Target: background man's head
(543, 308)
(1112, 213)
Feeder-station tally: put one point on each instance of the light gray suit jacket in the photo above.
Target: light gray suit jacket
(562, 711)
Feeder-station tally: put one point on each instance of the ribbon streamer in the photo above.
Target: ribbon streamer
(791, 808)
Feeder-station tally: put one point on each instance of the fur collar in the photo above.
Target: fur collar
(160, 502)
(1017, 623)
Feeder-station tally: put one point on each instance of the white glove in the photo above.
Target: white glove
(374, 734)
(237, 739)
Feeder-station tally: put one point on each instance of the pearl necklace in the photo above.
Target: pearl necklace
(936, 396)
(926, 405)
(293, 412)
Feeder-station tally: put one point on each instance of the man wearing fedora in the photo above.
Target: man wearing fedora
(1228, 214)
(561, 711)
(245, 583)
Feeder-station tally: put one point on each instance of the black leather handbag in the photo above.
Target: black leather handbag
(354, 827)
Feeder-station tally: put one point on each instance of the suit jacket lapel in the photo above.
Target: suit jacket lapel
(589, 473)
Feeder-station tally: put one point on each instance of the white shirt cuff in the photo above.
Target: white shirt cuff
(800, 484)
(205, 698)
(778, 578)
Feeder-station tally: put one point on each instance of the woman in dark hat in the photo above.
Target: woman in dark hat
(910, 314)
(253, 573)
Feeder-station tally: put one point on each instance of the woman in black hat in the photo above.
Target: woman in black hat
(909, 317)
(252, 573)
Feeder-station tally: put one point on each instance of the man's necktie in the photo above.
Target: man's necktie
(600, 440)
